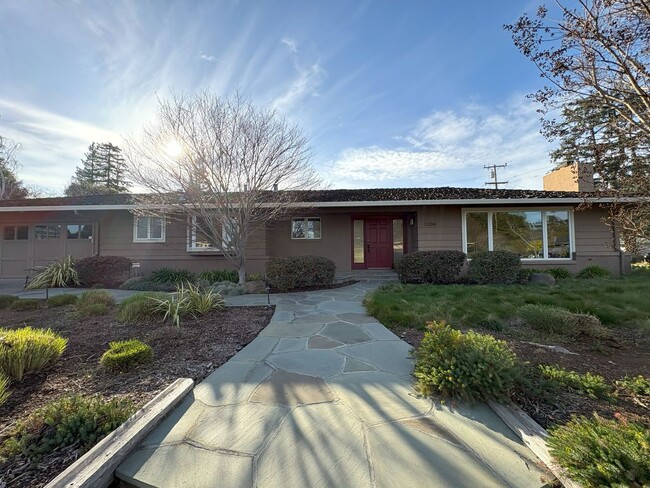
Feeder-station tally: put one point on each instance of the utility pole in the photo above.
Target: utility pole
(493, 174)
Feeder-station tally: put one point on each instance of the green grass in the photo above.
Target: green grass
(617, 302)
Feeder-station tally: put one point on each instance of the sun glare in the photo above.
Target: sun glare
(173, 149)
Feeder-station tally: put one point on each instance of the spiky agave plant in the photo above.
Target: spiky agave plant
(57, 274)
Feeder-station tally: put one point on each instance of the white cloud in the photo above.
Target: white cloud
(291, 44)
(305, 85)
(207, 57)
(450, 148)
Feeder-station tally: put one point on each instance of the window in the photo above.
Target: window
(305, 228)
(533, 234)
(49, 231)
(148, 229)
(79, 231)
(200, 235)
(359, 246)
(398, 239)
(15, 232)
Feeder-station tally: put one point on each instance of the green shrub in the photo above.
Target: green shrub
(140, 307)
(439, 267)
(4, 389)
(66, 421)
(55, 275)
(256, 277)
(592, 385)
(559, 273)
(94, 297)
(7, 300)
(174, 276)
(91, 310)
(25, 304)
(593, 272)
(554, 320)
(198, 301)
(289, 273)
(108, 270)
(62, 300)
(125, 355)
(637, 385)
(494, 267)
(468, 366)
(598, 452)
(27, 350)
(142, 284)
(219, 275)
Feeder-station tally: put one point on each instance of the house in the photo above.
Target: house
(358, 229)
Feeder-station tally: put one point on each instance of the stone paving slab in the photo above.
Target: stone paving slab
(282, 388)
(390, 356)
(232, 383)
(314, 362)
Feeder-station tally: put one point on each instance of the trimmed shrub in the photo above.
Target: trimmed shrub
(24, 304)
(555, 320)
(61, 300)
(143, 284)
(592, 385)
(140, 307)
(7, 300)
(91, 310)
(468, 366)
(66, 421)
(174, 276)
(637, 385)
(593, 272)
(57, 274)
(439, 267)
(598, 452)
(289, 273)
(28, 350)
(559, 273)
(219, 275)
(108, 270)
(125, 355)
(494, 267)
(94, 297)
(4, 389)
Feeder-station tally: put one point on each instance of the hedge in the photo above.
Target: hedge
(440, 267)
(289, 273)
(107, 270)
(494, 267)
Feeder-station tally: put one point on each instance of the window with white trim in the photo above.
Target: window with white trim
(200, 235)
(305, 228)
(531, 233)
(148, 228)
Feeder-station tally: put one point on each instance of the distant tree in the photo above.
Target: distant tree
(103, 170)
(11, 187)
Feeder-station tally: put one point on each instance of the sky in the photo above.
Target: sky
(416, 93)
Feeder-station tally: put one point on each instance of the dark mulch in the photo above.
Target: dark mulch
(627, 354)
(194, 350)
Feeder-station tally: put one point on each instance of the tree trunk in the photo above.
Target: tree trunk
(242, 273)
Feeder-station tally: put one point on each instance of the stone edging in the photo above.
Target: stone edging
(96, 467)
(533, 436)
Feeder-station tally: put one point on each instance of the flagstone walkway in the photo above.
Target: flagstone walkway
(323, 397)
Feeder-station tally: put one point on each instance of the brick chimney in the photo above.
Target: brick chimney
(572, 177)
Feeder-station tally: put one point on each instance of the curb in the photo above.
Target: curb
(533, 436)
(96, 468)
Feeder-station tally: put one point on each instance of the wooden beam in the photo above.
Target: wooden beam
(96, 468)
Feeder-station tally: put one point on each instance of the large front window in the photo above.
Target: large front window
(203, 234)
(532, 234)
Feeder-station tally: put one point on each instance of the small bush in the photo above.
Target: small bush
(174, 276)
(198, 301)
(69, 420)
(638, 385)
(140, 307)
(439, 267)
(598, 452)
(142, 284)
(289, 273)
(91, 310)
(94, 297)
(559, 273)
(494, 267)
(4, 389)
(7, 300)
(592, 385)
(57, 274)
(593, 272)
(24, 304)
(61, 300)
(219, 275)
(256, 277)
(468, 366)
(125, 355)
(555, 320)
(108, 270)
(27, 350)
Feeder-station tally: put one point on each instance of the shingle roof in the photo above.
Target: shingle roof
(356, 195)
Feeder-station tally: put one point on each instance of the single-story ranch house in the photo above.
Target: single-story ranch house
(358, 229)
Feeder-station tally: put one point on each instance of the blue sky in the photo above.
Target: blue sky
(391, 94)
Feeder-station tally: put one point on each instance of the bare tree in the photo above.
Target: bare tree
(10, 186)
(225, 166)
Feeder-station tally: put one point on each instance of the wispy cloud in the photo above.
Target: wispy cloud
(443, 147)
(291, 44)
(207, 57)
(306, 84)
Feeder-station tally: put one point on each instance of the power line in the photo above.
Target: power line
(493, 174)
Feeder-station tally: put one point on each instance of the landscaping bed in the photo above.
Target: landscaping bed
(193, 350)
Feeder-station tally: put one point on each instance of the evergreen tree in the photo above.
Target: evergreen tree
(102, 172)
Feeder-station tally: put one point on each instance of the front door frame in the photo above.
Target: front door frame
(364, 217)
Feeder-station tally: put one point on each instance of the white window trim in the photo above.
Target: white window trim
(544, 210)
(163, 228)
(191, 239)
(305, 219)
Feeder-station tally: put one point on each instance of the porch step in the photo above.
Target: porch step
(383, 275)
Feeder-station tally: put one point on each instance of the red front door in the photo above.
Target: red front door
(379, 243)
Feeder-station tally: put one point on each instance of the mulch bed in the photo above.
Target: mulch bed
(194, 350)
(626, 354)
